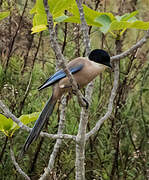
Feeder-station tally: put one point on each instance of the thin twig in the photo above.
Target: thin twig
(110, 105)
(133, 48)
(17, 165)
(26, 93)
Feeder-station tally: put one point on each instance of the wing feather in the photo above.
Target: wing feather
(59, 75)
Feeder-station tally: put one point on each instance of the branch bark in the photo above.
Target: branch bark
(80, 139)
(133, 48)
(110, 105)
(17, 165)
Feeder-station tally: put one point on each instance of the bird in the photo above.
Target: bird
(84, 70)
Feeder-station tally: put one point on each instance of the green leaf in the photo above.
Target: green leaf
(73, 9)
(57, 8)
(5, 124)
(8, 127)
(4, 14)
(119, 25)
(90, 15)
(25, 119)
(129, 16)
(61, 18)
(38, 8)
(39, 19)
(60, 6)
(140, 25)
(39, 28)
(73, 19)
(105, 21)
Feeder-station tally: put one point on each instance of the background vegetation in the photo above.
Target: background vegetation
(120, 150)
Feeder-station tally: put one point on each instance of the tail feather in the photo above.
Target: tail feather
(43, 117)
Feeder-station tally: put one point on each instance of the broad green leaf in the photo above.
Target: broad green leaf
(60, 7)
(39, 28)
(140, 25)
(61, 18)
(39, 19)
(91, 15)
(73, 9)
(57, 8)
(105, 21)
(133, 19)
(4, 14)
(8, 127)
(25, 119)
(38, 8)
(73, 19)
(94, 14)
(128, 16)
(5, 124)
(119, 25)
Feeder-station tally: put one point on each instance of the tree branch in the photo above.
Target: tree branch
(80, 139)
(130, 50)
(7, 113)
(84, 27)
(110, 105)
(17, 165)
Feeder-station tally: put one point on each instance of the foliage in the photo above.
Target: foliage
(4, 15)
(8, 126)
(106, 22)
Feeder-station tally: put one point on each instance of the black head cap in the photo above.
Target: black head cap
(100, 56)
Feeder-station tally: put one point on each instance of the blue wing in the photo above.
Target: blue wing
(59, 75)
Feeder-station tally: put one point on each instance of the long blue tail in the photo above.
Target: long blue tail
(43, 118)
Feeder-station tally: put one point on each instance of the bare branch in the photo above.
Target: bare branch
(60, 58)
(130, 50)
(58, 136)
(7, 113)
(110, 105)
(84, 27)
(80, 139)
(17, 165)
